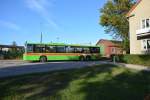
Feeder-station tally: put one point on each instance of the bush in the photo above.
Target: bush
(13, 55)
(133, 59)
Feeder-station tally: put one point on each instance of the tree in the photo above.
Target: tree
(14, 43)
(113, 19)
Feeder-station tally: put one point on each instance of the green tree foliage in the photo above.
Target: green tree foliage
(113, 19)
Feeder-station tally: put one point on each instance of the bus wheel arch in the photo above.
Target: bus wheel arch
(81, 58)
(88, 58)
(43, 58)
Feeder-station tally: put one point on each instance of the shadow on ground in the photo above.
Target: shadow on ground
(103, 82)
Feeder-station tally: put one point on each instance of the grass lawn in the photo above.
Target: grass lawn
(103, 82)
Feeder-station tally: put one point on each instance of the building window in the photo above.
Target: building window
(113, 50)
(146, 44)
(145, 23)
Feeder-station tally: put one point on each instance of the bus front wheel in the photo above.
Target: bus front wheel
(43, 59)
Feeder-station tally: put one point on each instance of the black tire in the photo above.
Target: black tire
(43, 59)
(82, 58)
(88, 58)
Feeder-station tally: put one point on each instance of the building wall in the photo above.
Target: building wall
(102, 49)
(104, 45)
(142, 11)
(106, 48)
(115, 50)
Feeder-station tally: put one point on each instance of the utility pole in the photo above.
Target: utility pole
(41, 35)
(41, 38)
(90, 43)
(57, 38)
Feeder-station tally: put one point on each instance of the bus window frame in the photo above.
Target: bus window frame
(42, 46)
(27, 48)
(60, 46)
(54, 47)
(96, 50)
(75, 48)
(68, 47)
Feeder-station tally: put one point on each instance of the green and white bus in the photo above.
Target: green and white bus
(58, 51)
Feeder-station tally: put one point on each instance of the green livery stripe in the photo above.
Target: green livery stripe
(54, 57)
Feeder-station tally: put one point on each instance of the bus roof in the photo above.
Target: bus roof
(63, 44)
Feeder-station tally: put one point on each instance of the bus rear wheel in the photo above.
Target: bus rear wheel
(43, 59)
(82, 58)
(88, 58)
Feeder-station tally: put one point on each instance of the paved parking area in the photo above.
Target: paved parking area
(18, 67)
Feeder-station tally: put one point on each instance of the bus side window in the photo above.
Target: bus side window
(29, 48)
(86, 50)
(70, 49)
(46, 49)
(60, 49)
(50, 49)
(94, 50)
(79, 50)
(91, 50)
(97, 50)
(39, 48)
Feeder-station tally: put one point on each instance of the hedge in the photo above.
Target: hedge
(12, 55)
(134, 59)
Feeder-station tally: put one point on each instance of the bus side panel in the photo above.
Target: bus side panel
(58, 57)
(31, 57)
(62, 57)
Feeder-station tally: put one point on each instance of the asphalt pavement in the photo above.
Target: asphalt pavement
(19, 67)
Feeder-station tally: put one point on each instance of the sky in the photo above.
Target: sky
(65, 21)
